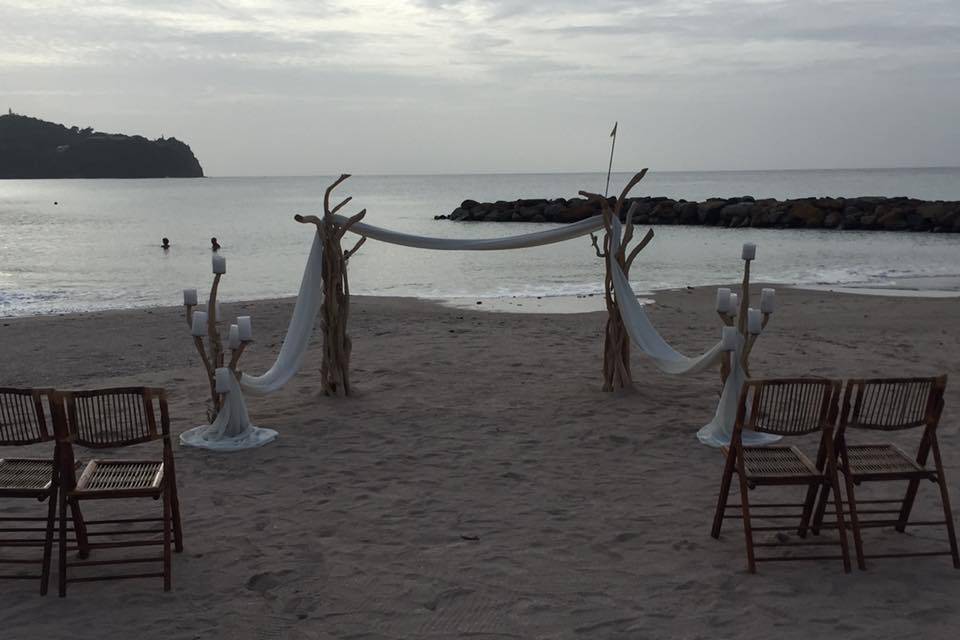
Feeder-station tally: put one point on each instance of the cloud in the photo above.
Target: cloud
(491, 59)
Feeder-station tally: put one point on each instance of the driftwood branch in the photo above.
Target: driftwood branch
(335, 310)
(616, 344)
(347, 254)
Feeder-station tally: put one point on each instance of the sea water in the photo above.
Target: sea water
(76, 245)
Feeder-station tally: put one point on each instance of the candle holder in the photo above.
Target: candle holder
(742, 326)
(737, 313)
(229, 426)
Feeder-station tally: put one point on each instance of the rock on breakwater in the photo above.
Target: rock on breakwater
(890, 214)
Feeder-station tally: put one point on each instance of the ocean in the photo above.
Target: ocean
(80, 245)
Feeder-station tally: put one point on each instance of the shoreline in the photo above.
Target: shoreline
(911, 287)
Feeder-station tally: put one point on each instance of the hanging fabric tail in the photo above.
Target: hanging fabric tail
(297, 340)
(642, 331)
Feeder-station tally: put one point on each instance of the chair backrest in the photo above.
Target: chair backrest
(788, 406)
(892, 404)
(105, 418)
(22, 416)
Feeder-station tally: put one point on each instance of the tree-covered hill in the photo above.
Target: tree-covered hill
(34, 148)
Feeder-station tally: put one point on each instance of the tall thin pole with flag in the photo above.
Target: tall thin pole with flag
(613, 134)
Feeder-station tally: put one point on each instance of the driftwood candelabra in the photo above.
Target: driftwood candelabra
(206, 323)
(736, 313)
(616, 342)
(335, 310)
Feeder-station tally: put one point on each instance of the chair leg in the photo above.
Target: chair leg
(821, 510)
(167, 526)
(724, 495)
(855, 522)
(747, 528)
(80, 530)
(48, 540)
(808, 505)
(907, 506)
(177, 525)
(841, 525)
(62, 568)
(948, 516)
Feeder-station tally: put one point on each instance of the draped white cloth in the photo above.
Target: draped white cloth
(231, 431)
(718, 431)
(642, 331)
(310, 297)
(523, 241)
(295, 344)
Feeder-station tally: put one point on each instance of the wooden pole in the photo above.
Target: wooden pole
(613, 134)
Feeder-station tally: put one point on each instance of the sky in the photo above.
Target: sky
(315, 87)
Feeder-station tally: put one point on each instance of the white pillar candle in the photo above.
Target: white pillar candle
(734, 304)
(729, 340)
(199, 327)
(190, 297)
(754, 321)
(222, 378)
(749, 251)
(723, 300)
(767, 297)
(219, 264)
(234, 337)
(245, 328)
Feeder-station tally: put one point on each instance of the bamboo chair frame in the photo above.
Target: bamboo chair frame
(113, 418)
(23, 421)
(785, 407)
(891, 404)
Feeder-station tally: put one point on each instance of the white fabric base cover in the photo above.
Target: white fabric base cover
(231, 431)
(717, 432)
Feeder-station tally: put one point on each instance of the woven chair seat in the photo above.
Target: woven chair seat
(777, 462)
(880, 459)
(25, 474)
(120, 475)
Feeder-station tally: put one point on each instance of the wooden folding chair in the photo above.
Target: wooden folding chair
(891, 404)
(785, 407)
(111, 418)
(23, 421)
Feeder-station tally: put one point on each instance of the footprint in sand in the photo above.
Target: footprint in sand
(267, 581)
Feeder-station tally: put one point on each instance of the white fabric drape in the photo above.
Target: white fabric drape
(295, 343)
(231, 431)
(310, 297)
(717, 432)
(642, 331)
(524, 241)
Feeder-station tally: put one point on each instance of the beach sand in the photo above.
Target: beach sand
(480, 485)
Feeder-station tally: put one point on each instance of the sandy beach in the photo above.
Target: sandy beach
(480, 485)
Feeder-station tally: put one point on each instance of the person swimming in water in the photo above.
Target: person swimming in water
(165, 243)
(214, 245)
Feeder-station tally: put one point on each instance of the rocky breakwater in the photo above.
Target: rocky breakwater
(889, 214)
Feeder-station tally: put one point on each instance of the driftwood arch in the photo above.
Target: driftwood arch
(335, 307)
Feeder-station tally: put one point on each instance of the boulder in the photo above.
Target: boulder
(709, 212)
(808, 215)
(737, 211)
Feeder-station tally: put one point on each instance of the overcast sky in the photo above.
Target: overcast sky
(302, 87)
